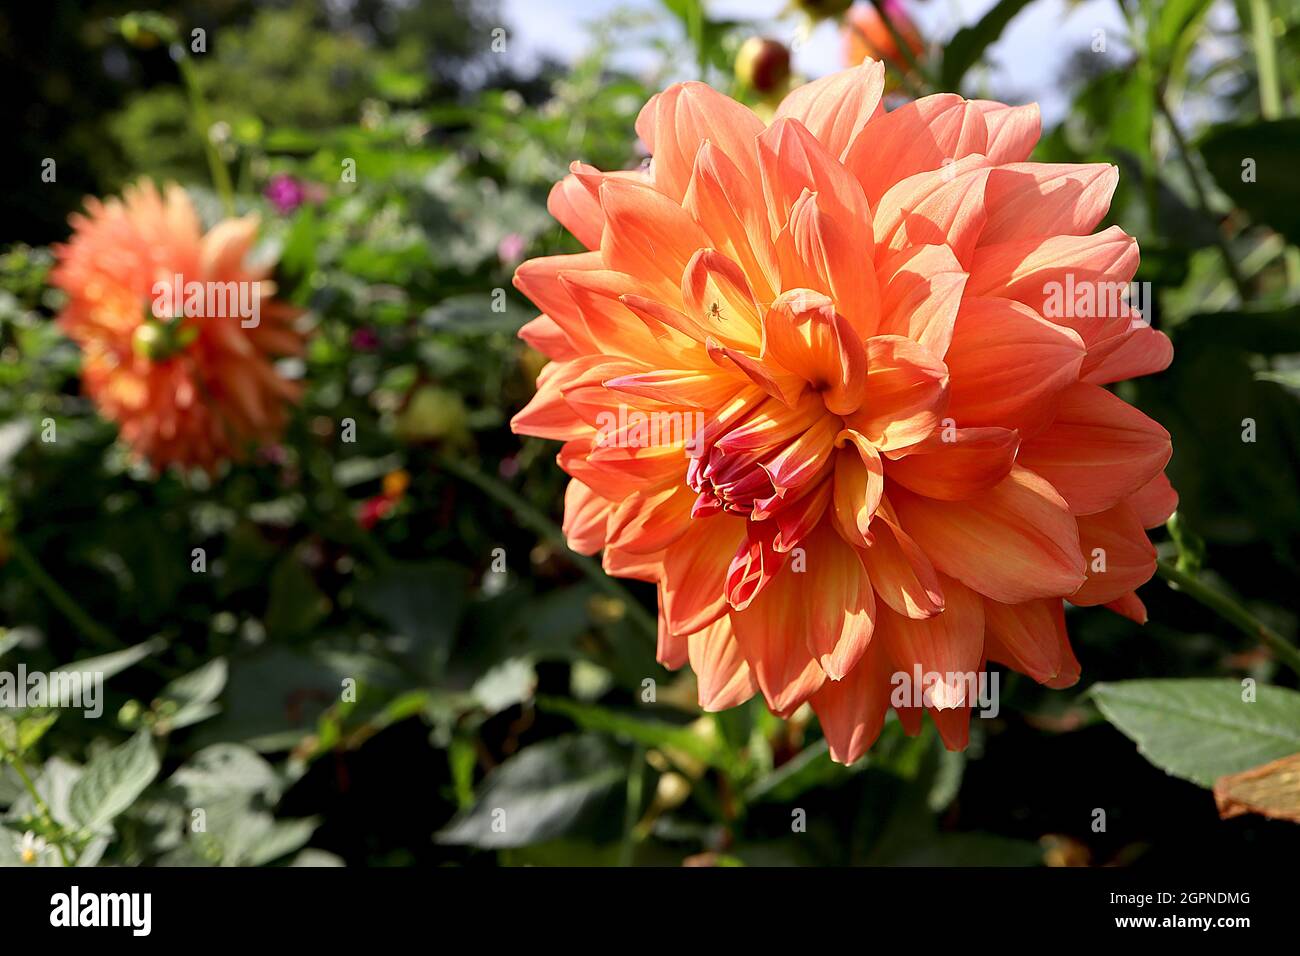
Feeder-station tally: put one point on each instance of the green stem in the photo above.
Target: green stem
(203, 126)
(1202, 195)
(1270, 92)
(531, 518)
(61, 599)
(1232, 612)
(635, 781)
(42, 807)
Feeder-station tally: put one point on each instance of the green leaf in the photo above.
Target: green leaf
(545, 791)
(189, 699)
(111, 781)
(969, 43)
(108, 665)
(1273, 198)
(423, 604)
(20, 735)
(635, 728)
(1201, 729)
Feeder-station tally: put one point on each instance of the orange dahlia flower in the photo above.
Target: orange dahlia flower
(178, 331)
(867, 37)
(806, 384)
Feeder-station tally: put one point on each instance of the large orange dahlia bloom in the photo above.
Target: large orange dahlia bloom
(188, 384)
(900, 462)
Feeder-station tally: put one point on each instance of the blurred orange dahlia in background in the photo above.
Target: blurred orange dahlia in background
(866, 36)
(814, 379)
(187, 384)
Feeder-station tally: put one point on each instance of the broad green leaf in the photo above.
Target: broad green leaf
(1254, 163)
(190, 698)
(223, 770)
(969, 43)
(111, 781)
(545, 791)
(1202, 729)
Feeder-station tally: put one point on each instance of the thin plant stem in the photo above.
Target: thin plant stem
(531, 518)
(42, 807)
(1232, 612)
(203, 126)
(635, 782)
(1202, 195)
(61, 599)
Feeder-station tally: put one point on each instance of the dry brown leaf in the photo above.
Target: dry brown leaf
(1271, 790)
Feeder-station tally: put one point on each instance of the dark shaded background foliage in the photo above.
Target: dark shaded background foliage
(539, 672)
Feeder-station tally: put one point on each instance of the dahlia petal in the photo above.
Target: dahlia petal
(573, 205)
(827, 255)
(675, 123)
(640, 567)
(700, 388)
(771, 636)
(1027, 636)
(1155, 501)
(956, 465)
(804, 334)
(1135, 351)
(1007, 365)
(225, 247)
(805, 458)
(695, 572)
(652, 520)
(796, 516)
(838, 625)
(1027, 200)
(545, 335)
(1098, 450)
(792, 160)
(672, 650)
(921, 290)
(837, 108)
(781, 385)
(852, 710)
(721, 671)
(949, 645)
(906, 393)
(717, 294)
(1120, 558)
(954, 214)
(547, 414)
(586, 516)
(754, 565)
(901, 574)
(1021, 520)
(1077, 281)
(1013, 131)
(896, 206)
(647, 235)
(915, 138)
(732, 211)
(1129, 606)
(859, 482)
(539, 279)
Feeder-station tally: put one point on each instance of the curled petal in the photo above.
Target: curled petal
(921, 291)
(1013, 131)
(859, 485)
(901, 574)
(791, 161)
(1027, 200)
(572, 203)
(1029, 637)
(806, 336)
(586, 516)
(905, 396)
(1155, 501)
